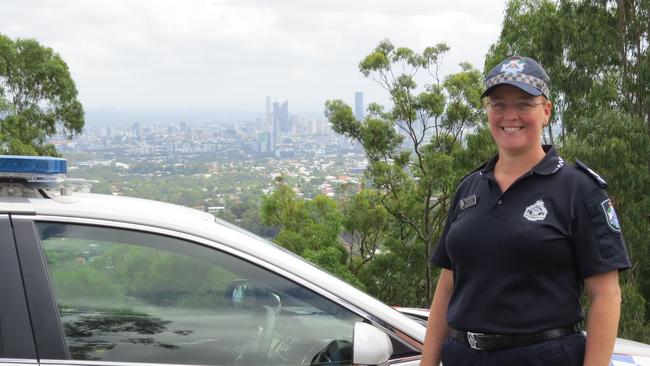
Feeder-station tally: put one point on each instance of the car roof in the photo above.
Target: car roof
(194, 222)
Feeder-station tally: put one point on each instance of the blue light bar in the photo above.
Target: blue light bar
(37, 165)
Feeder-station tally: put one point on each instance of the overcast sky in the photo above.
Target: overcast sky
(230, 54)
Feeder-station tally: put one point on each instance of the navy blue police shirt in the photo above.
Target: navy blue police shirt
(519, 257)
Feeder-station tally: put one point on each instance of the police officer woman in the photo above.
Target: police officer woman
(525, 235)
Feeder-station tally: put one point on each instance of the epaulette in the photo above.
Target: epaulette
(597, 178)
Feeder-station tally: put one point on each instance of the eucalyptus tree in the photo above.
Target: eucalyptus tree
(366, 225)
(308, 228)
(38, 98)
(419, 148)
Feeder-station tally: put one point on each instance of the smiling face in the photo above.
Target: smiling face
(516, 119)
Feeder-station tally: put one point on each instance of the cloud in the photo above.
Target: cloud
(231, 53)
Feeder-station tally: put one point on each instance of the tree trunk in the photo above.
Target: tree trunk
(647, 117)
(428, 290)
(621, 9)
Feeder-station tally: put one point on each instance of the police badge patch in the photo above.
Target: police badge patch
(468, 202)
(536, 211)
(610, 216)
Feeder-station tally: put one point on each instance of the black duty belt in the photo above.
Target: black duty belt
(490, 342)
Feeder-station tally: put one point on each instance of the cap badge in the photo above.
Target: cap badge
(536, 211)
(610, 216)
(513, 66)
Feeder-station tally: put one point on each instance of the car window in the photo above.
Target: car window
(130, 296)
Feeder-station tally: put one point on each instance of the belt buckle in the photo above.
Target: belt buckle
(472, 340)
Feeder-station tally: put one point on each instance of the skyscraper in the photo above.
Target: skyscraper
(281, 113)
(269, 111)
(277, 121)
(358, 106)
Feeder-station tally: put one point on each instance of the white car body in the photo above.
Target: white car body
(203, 228)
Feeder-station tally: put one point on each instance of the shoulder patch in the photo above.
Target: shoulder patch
(610, 216)
(585, 169)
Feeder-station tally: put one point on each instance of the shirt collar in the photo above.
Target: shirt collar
(551, 163)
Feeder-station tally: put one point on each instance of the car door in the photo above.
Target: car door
(16, 338)
(110, 293)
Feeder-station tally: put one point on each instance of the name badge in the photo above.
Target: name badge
(468, 202)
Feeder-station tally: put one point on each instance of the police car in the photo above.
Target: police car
(103, 280)
(93, 279)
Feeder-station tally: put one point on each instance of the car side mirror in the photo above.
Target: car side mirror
(371, 346)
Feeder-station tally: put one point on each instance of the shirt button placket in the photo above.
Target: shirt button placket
(496, 208)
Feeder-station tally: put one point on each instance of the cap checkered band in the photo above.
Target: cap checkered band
(520, 77)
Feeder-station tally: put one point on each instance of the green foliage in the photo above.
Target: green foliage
(633, 323)
(367, 223)
(331, 258)
(395, 275)
(309, 228)
(417, 153)
(38, 98)
(617, 147)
